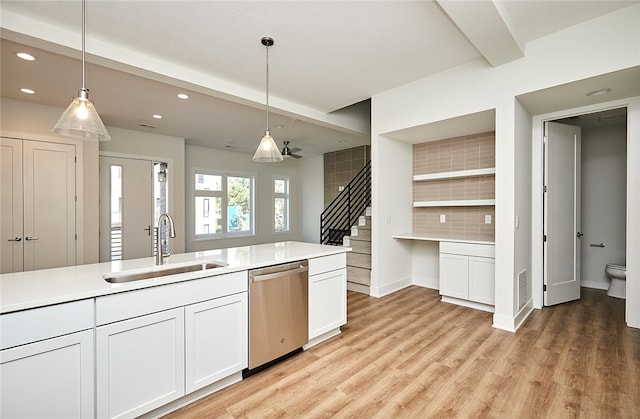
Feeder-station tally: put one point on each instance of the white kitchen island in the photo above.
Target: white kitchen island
(75, 345)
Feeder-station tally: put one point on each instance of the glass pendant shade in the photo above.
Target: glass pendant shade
(81, 121)
(267, 151)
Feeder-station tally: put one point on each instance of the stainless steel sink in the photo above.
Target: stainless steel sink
(116, 279)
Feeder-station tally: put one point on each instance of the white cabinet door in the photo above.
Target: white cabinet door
(482, 279)
(139, 364)
(327, 302)
(52, 378)
(216, 333)
(454, 275)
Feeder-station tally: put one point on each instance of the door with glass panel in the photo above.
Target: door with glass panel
(133, 193)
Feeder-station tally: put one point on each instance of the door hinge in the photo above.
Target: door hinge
(544, 287)
(544, 189)
(75, 159)
(544, 238)
(76, 236)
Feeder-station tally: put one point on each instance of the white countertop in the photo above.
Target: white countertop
(430, 237)
(24, 290)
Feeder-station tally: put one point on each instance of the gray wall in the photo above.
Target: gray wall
(603, 201)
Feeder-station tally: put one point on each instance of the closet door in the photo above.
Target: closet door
(49, 205)
(11, 244)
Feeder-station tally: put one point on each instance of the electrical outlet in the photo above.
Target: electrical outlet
(443, 218)
(340, 188)
(487, 219)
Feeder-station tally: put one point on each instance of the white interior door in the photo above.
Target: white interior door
(11, 205)
(562, 213)
(49, 205)
(126, 208)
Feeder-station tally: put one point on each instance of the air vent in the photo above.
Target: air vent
(522, 289)
(146, 126)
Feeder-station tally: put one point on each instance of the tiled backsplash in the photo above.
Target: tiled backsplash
(468, 152)
(340, 167)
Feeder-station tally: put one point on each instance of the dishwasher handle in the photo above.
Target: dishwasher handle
(264, 277)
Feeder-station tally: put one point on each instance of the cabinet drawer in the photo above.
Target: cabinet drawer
(327, 263)
(468, 249)
(126, 305)
(28, 326)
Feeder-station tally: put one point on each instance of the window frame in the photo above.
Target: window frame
(287, 197)
(223, 194)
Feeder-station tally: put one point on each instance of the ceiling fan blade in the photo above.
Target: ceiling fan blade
(295, 150)
(296, 156)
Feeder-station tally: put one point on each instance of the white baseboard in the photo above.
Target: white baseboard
(390, 288)
(594, 284)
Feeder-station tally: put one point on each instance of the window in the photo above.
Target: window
(213, 192)
(281, 204)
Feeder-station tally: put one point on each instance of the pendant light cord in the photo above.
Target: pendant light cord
(83, 35)
(267, 101)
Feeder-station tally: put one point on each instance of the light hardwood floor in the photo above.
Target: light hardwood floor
(408, 355)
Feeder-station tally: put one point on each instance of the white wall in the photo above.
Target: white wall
(391, 205)
(599, 46)
(127, 143)
(233, 162)
(522, 221)
(312, 194)
(603, 201)
(633, 209)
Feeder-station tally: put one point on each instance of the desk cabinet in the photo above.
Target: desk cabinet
(467, 272)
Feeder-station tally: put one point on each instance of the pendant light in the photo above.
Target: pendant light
(267, 150)
(81, 120)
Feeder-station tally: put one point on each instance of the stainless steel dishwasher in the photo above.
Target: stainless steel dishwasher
(278, 312)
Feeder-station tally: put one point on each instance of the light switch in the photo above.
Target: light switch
(443, 218)
(487, 219)
(340, 188)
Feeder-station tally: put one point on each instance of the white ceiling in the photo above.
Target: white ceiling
(327, 55)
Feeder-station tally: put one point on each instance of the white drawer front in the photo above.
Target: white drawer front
(327, 263)
(469, 249)
(126, 305)
(28, 326)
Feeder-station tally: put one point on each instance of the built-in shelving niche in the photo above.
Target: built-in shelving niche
(454, 180)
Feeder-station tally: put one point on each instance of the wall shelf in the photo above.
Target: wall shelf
(458, 203)
(456, 174)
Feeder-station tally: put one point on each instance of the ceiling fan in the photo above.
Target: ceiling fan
(290, 152)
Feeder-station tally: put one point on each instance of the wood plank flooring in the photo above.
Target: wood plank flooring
(408, 355)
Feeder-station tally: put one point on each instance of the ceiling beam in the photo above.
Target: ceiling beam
(486, 28)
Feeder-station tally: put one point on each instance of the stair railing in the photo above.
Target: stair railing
(343, 212)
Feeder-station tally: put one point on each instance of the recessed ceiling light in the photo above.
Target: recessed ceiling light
(599, 92)
(156, 116)
(25, 56)
(183, 96)
(28, 91)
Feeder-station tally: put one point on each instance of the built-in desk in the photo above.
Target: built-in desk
(466, 270)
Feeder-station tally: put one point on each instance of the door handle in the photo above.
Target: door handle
(148, 230)
(30, 238)
(578, 235)
(15, 239)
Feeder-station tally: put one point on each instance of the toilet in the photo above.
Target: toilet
(618, 275)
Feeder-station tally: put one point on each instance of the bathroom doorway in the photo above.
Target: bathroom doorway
(601, 194)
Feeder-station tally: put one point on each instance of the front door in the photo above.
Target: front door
(561, 251)
(126, 208)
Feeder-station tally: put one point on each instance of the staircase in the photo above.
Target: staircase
(347, 221)
(359, 259)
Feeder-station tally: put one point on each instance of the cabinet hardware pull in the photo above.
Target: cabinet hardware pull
(15, 239)
(29, 238)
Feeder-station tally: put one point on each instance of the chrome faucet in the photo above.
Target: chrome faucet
(172, 233)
